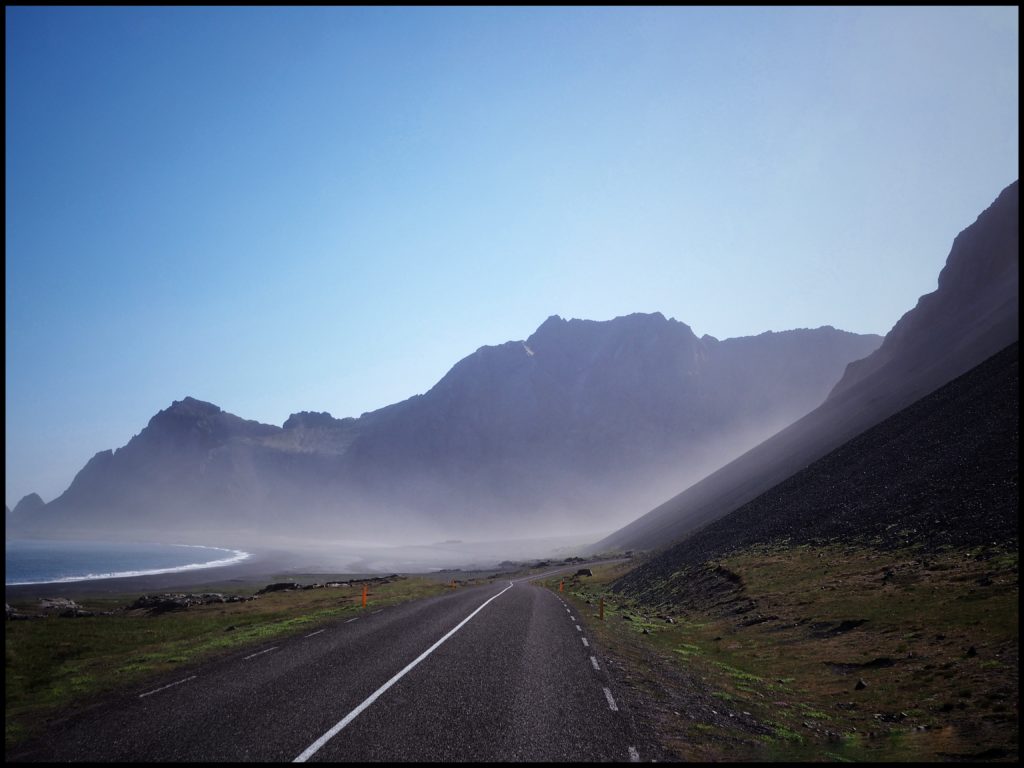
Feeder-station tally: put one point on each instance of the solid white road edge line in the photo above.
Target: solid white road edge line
(150, 693)
(611, 702)
(313, 748)
(260, 653)
(317, 632)
(351, 620)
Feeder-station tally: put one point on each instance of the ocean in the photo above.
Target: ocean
(42, 562)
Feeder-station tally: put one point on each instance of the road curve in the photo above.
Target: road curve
(515, 682)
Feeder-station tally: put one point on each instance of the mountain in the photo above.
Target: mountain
(941, 472)
(557, 433)
(29, 505)
(971, 315)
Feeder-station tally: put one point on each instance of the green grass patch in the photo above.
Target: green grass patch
(902, 621)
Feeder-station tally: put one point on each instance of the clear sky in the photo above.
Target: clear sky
(324, 209)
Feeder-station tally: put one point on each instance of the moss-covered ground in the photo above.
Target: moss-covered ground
(933, 638)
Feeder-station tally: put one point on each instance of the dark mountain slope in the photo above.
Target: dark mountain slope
(943, 471)
(972, 314)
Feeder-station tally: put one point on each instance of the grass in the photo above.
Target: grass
(930, 700)
(53, 663)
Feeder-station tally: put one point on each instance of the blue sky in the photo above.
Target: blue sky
(324, 209)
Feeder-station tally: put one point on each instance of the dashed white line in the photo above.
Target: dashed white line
(611, 702)
(313, 748)
(634, 756)
(578, 628)
(585, 643)
(260, 653)
(351, 620)
(179, 682)
(317, 632)
(594, 662)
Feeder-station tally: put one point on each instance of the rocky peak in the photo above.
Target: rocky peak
(29, 504)
(970, 316)
(190, 406)
(314, 420)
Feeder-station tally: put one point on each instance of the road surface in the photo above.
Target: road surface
(504, 672)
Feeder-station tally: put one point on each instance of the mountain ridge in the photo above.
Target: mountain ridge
(548, 425)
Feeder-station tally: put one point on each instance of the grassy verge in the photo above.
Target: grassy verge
(53, 663)
(933, 638)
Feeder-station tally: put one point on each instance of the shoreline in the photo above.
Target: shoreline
(237, 556)
(254, 568)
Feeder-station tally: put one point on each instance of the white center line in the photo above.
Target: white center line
(317, 632)
(611, 702)
(313, 748)
(594, 662)
(634, 756)
(585, 643)
(351, 620)
(260, 653)
(179, 682)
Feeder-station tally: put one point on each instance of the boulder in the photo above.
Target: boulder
(279, 586)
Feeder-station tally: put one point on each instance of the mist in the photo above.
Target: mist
(521, 450)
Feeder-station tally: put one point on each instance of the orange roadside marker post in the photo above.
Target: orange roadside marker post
(561, 586)
(602, 609)
(364, 595)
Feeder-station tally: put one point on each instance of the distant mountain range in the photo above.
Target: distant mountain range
(571, 430)
(971, 316)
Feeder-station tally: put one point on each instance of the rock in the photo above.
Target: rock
(74, 613)
(584, 572)
(971, 652)
(279, 586)
(861, 685)
(669, 620)
(57, 605)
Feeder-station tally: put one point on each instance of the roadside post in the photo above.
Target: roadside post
(602, 609)
(561, 585)
(364, 595)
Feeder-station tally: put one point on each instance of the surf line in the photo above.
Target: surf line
(313, 748)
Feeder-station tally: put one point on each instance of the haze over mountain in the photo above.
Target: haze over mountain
(565, 432)
(970, 316)
(941, 472)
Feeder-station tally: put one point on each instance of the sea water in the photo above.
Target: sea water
(39, 562)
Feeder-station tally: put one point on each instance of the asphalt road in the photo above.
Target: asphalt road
(413, 682)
